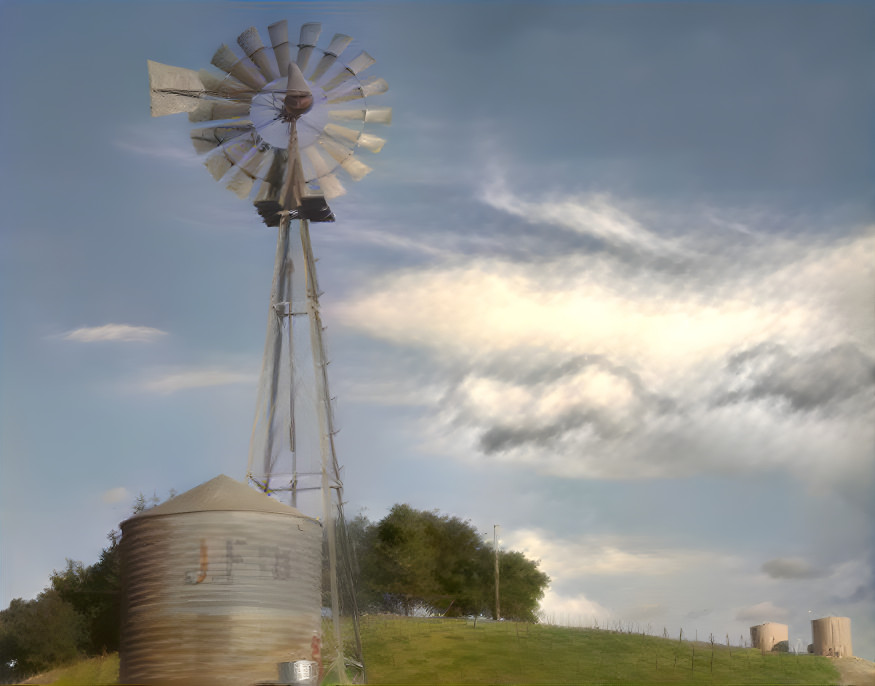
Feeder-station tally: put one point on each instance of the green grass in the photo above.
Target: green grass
(96, 670)
(426, 651)
(399, 650)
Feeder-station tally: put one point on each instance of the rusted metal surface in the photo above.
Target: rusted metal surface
(218, 596)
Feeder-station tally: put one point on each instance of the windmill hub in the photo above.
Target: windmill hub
(295, 104)
(268, 115)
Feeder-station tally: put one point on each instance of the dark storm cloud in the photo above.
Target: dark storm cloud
(804, 382)
(791, 568)
(503, 437)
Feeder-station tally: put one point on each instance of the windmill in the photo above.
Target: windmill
(283, 131)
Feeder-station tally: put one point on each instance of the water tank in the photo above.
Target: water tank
(832, 636)
(767, 636)
(219, 585)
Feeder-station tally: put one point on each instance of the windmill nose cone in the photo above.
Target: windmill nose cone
(299, 98)
(297, 103)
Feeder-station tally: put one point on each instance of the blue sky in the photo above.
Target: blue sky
(609, 286)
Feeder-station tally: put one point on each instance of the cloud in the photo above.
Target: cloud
(115, 495)
(740, 356)
(805, 382)
(765, 611)
(114, 332)
(173, 382)
(593, 215)
(571, 558)
(157, 142)
(572, 610)
(790, 568)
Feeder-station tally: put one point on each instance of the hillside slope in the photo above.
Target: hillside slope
(428, 651)
(420, 651)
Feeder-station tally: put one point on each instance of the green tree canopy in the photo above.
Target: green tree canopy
(412, 557)
(77, 614)
(94, 592)
(38, 634)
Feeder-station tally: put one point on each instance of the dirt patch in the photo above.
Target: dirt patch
(855, 671)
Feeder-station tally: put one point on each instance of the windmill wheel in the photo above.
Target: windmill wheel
(246, 135)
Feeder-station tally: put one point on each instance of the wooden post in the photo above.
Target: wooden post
(495, 545)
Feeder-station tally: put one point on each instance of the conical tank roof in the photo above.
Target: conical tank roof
(220, 494)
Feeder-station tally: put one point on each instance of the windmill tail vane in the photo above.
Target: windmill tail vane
(281, 126)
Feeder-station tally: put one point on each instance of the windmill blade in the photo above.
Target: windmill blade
(251, 43)
(208, 138)
(374, 115)
(365, 90)
(240, 184)
(338, 45)
(347, 160)
(219, 162)
(216, 110)
(173, 89)
(361, 62)
(239, 67)
(307, 42)
(225, 87)
(279, 40)
(323, 173)
(256, 160)
(218, 165)
(246, 173)
(365, 140)
(321, 166)
(330, 186)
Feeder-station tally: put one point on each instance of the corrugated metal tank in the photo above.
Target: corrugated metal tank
(219, 585)
(767, 636)
(832, 636)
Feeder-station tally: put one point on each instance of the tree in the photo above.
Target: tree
(36, 635)
(94, 592)
(521, 586)
(78, 614)
(412, 557)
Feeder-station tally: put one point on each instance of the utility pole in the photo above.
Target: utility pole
(495, 546)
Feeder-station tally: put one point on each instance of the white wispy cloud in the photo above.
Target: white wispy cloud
(166, 152)
(594, 215)
(181, 380)
(158, 141)
(115, 495)
(589, 555)
(114, 332)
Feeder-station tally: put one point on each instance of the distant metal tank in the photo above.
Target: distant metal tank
(832, 636)
(767, 636)
(219, 586)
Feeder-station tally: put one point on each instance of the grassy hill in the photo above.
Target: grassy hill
(429, 651)
(419, 651)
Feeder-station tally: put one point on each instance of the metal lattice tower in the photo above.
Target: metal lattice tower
(279, 131)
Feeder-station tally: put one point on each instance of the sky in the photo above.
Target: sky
(609, 286)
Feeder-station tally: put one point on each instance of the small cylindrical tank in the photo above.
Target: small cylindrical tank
(767, 636)
(219, 585)
(832, 636)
